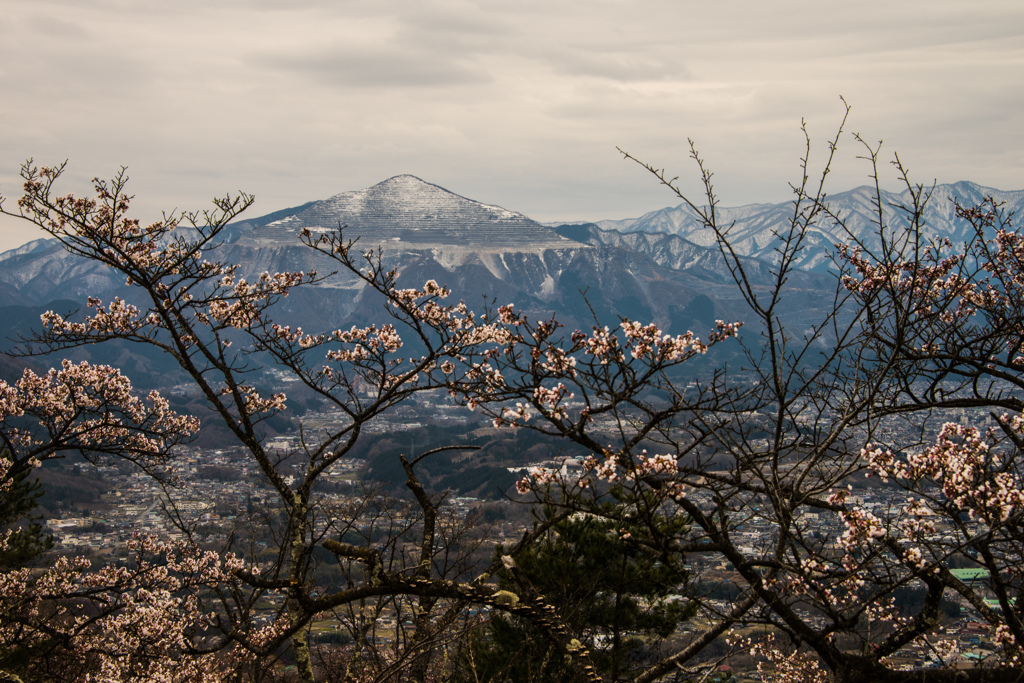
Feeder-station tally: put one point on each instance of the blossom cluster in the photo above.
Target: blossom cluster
(88, 407)
(612, 468)
(100, 228)
(962, 464)
(422, 304)
(602, 344)
(536, 479)
(511, 416)
(558, 362)
(550, 400)
(780, 664)
(945, 286)
(125, 623)
(368, 341)
(239, 303)
(101, 219)
(862, 529)
(253, 403)
(646, 343)
(119, 317)
(648, 340)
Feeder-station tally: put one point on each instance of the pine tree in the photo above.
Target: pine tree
(612, 593)
(27, 540)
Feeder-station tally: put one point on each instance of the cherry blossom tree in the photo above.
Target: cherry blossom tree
(919, 328)
(951, 314)
(222, 327)
(683, 462)
(118, 622)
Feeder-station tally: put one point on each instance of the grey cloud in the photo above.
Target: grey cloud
(307, 99)
(623, 65)
(378, 66)
(464, 23)
(56, 27)
(407, 45)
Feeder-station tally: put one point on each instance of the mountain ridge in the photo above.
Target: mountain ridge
(753, 226)
(407, 212)
(480, 250)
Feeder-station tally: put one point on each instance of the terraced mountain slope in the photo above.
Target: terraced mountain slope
(405, 212)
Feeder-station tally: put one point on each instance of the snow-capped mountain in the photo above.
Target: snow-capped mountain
(482, 252)
(753, 228)
(405, 212)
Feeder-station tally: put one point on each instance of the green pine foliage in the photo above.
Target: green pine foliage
(30, 659)
(615, 596)
(28, 539)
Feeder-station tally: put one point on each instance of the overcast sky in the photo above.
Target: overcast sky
(519, 103)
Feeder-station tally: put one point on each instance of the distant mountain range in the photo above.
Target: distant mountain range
(753, 226)
(661, 267)
(483, 252)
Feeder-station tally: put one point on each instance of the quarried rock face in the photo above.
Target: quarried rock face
(405, 212)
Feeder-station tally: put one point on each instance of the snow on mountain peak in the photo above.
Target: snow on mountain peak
(407, 212)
